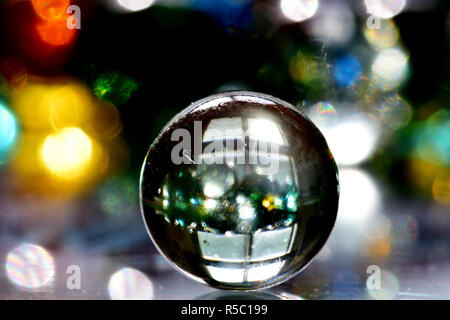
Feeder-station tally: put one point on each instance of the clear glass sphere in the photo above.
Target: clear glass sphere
(239, 191)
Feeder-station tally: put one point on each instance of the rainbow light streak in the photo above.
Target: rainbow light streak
(324, 108)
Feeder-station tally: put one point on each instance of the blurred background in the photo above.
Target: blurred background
(79, 109)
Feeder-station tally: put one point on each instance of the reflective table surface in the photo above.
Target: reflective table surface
(382, 247)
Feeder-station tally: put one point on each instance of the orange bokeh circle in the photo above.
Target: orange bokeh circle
(51, 10)
(56, 33)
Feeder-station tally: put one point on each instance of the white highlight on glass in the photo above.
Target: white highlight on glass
(255, 273)
(264, 271)
(30, 266)
(385, 9)
(299, 10)
(224, 128)
(130, 284)
(227, 275)
(264, 130)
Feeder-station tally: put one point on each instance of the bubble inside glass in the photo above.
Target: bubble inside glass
(239, 191)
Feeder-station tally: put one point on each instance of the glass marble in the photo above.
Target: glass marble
(248, 200)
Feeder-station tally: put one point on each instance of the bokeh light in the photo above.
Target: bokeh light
(8, 132)
(51, 10)
(422, 174)
(441, 187)
(108, 124)
(384, 37)
(55, 106)
(405, 229)
(359, 197)
(353, 140)
(378, 237)
(68, 105)
(394, 111)
(390, 68)
(299, 10)
(307, 69)
(130, 284)
(55, 33)
(135, 5)
(360, 228)
(66, 133)
(429, 153)
(352, 137)
(67, 153)
(334, 23)
(347, 70)
(30, 266)
(432, 139)
(385, 9)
